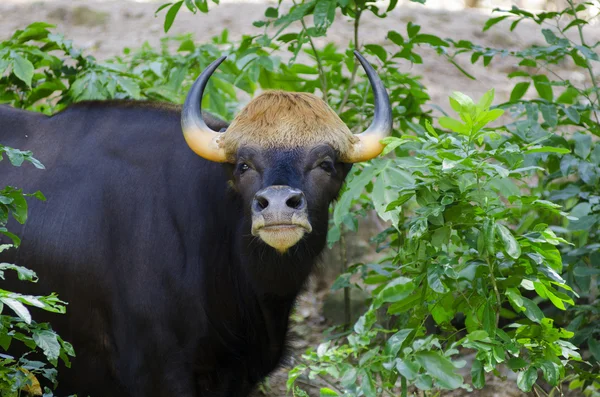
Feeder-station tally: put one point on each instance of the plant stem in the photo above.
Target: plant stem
(537, 390)
(322, 75)
(344, 260)
(355, 69)
(495, 285)
(404, 387)
(587, 63)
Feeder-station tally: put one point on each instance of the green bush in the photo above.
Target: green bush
(16, 324)
(493, 243)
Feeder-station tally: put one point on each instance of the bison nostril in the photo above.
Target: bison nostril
(296, 201)
(261, 203)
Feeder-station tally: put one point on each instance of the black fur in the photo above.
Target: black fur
(169, 294)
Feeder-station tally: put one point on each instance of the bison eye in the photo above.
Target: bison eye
(327, 166)
(243, 167)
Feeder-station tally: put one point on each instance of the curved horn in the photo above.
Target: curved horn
(199, 137)
(368, 145)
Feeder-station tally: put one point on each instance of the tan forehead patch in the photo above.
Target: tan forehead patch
(279, 119)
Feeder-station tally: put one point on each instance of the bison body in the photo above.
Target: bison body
(145, 240)
(180, 273)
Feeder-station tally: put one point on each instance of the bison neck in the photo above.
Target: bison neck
(276, 276)
(256, 292)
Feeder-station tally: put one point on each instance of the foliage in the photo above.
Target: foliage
(44, 72)
(454, 256)
(569, 117)
(17, 324)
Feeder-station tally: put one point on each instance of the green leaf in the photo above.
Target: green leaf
(543, 87)
(396, 341)
(407, 368)
(439, 368)
(548, 149)
(526, 379)
(15, 156)
(18, 308)
(377, 50)
(303, 69)
(129, 86)
(549, 36)
(203, 5)
(550, 114)
(486, 101)
(463, 100)
(514, 296)
(595, 155)
(367, 384)
(519, 90)
(22, 68)
(18, 204)
(171, 14)
(412, 29)
(575, 22)
(441, 236)
(477, 374)
(48, 342)
(162, 7)
(324, 13)
(583, 145)
(349, 377)
(383, 195)
(424, 382)
(511, 246)
(430, 39)
(190, 5)
(550, 371)
(355, 186)
(395, 37)
(395, 291)
(324, 392)
(489, 319)
(582, 271)
(573, 114)
(588, 53)
(453, 125)
(532, 311)
(492, 21)
(516, 363)
(271, 12)
(594, 346)
(88, 86)
(434, 278)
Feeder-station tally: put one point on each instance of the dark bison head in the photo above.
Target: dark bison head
(289, 155)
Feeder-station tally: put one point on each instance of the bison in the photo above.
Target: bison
(180, 272)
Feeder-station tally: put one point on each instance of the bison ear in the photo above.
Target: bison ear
(215, 123)
(346, 167)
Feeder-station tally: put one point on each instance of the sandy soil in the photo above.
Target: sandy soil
(104, 28)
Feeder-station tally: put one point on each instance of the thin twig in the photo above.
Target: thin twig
(537, 390)
(355, 69)
(497, 293)
(344, 260)
(322, 75)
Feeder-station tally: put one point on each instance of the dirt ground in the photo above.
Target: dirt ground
(104, 28)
